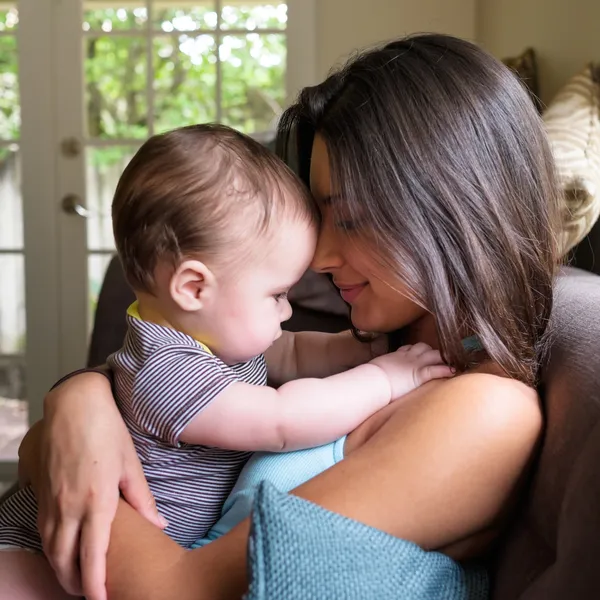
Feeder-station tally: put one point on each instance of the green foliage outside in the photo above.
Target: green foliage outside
(10, 113)
(184, 66)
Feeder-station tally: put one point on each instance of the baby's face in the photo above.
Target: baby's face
(252, 303)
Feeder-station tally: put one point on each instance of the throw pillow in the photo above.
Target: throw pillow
(300, 551)
(572, 123)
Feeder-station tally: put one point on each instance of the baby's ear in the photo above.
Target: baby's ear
(192, 285)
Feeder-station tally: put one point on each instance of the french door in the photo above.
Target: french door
(82, 84)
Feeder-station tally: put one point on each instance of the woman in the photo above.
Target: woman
(439, 204)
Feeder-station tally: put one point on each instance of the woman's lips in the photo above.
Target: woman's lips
(350, 292)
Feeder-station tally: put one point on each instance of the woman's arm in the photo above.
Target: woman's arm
(443, 468)
(158, 568)
(299, 414)
(77, 479)
(318, 354)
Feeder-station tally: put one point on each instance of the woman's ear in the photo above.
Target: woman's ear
(192, 285)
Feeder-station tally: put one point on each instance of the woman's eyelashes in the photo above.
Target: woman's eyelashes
(280, 296)
(346, 222)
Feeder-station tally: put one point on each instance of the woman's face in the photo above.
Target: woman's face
(378, 302)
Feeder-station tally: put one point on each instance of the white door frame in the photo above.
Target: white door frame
(36, 40)
(72, 244)
(37, 149)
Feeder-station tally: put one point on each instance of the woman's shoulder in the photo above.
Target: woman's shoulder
(493, 385)
(480, 405)
(492, 403)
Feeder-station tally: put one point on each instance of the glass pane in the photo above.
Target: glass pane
(13, 407)
(135, 16)
(12, 304)
(97, 265)
(10, 112)
(253, 92)
(202, 16)
(115, 86)
(9, 19)
(254, 16)
(185, 76)
(11, 206)
(103, 169)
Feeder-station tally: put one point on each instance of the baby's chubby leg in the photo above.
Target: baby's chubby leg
(28, 576)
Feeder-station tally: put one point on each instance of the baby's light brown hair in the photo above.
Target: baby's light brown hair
(201, 191)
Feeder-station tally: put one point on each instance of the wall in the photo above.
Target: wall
(564, 34)
(346, 25)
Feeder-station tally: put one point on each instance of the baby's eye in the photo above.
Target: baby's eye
(280, 296)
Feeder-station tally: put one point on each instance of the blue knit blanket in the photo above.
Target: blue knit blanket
(300, 551)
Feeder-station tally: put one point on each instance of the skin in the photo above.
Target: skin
(377, 304)
(441, 468)
(236, 312)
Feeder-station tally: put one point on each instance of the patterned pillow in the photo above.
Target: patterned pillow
(525, 68)
(572, 123)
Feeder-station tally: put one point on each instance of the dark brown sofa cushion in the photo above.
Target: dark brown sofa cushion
(552, 550)
(586, 255)
(110, 325)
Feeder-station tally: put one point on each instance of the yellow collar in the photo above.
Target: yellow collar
(134, 311)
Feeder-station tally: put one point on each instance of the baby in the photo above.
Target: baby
(212, 231)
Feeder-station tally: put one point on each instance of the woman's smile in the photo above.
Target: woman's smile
(350, 291)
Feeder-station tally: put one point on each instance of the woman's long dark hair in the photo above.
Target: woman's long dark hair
(437, 150)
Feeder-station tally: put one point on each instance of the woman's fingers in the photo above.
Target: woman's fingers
(81, 464)
(62, 550)
(95, 536)
(136, 492)
(58, 524)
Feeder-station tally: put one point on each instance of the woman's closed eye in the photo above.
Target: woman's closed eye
(280, 296)
(344, 220)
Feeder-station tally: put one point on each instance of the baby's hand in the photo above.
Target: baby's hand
(412, 366)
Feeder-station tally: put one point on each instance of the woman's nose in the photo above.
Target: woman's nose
(327, 255)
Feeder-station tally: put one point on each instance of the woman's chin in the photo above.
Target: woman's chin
(362, 322)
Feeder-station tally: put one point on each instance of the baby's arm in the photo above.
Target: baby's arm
(300, 414)
(317, 354)
(310, 412)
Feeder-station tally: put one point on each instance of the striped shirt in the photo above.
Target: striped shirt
(163, 380)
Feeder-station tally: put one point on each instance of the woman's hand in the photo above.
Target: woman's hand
(86, 458)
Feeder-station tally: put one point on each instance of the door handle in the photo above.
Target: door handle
(73, 205)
